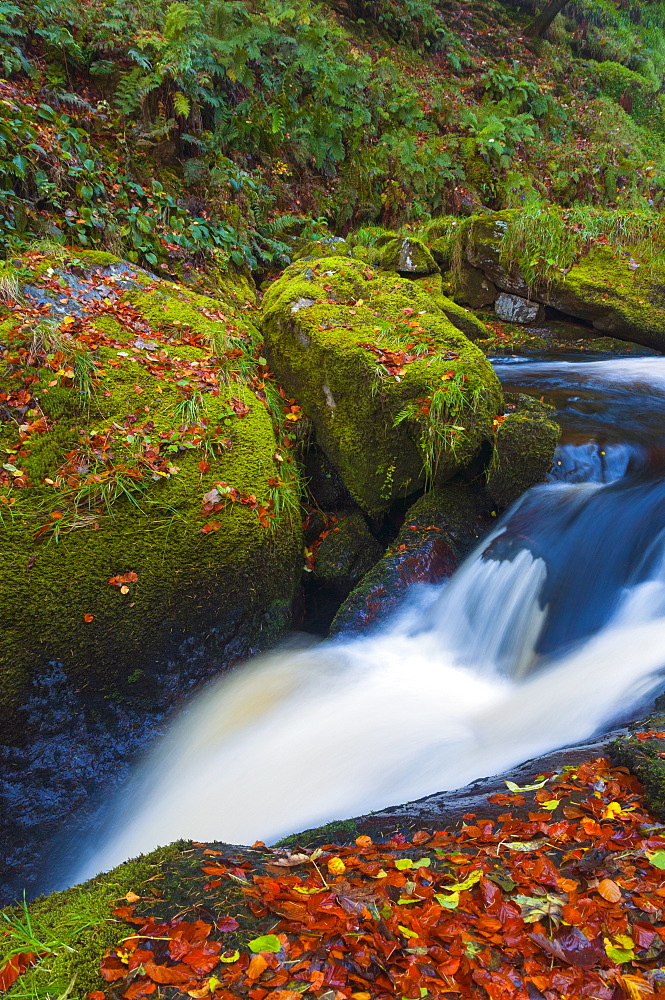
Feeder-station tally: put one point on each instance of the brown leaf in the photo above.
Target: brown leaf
(609, 890)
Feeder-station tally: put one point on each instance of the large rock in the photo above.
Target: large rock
(524, 450)
(408, 256)
(514, 309)
(438, 531)
(141, 494)
(346, 554)
(610, 289)
(396, 394)
(473, 289)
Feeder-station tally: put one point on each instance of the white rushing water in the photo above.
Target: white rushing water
(503, 662)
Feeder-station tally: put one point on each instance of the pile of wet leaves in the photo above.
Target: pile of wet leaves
(561, 895)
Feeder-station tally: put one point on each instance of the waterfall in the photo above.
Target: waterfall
(552, 629)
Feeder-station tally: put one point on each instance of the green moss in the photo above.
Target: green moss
(620, 301)
(349, 551)
(644, 758)
(314, 342)
(524, 448)
(339, 832)
(238, 580)
(330, 246)
(408, 256)
(462, 318)
(80, 919)
(94, 258)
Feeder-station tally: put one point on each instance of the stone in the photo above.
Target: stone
(526, 440)
(438, 531)
(346, 554)
(473, 289)
(408, 256)
(514, 309)
(344, 360)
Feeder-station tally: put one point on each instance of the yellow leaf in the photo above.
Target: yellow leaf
(336, 866)
(131, 897)
(612, 809)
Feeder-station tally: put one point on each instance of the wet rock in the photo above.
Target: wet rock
(408, 256)
(438, 531)
(346, 555)
(524, 449)
(514, 309)
(473, 289)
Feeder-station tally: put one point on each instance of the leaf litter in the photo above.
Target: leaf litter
(440, 914)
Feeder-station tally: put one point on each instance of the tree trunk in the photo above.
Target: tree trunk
(542, 21)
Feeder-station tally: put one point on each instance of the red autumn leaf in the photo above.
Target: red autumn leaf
(112, 968)
(257, 966)
(210, 526)
(123, 578)
(140, 988)
(14, 967)
(227, 924)
(168, 975)
(204, 466)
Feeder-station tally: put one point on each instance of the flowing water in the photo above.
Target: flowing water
(553, 629)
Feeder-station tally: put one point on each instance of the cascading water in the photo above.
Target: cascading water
(551, 630)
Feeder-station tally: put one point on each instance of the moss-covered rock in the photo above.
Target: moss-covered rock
(608, 289)
(409, 256)
(328, 246)
(482, 244)
(473, 289)
(346, 554)
(524, 450)
(462, 318)
(438, 531)
(644, 757)
(133, 403)
(79, 926)
(396, 394)
(616, 292)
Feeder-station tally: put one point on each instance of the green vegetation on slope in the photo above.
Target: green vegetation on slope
(163, 130)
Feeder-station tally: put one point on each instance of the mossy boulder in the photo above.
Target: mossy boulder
(473, 289)
(409, 256)
(608, 289)
(482, 242)
(644, 757)
(615, 291)
(526, 439)
(367, 355)
(328, 246)
(124, 407)
(438, 531)
(462, 318)
(346, 554)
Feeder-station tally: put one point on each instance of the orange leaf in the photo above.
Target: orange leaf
(88, 618)
(13, 968)
(257, 965)
(609, 890)
(140, 988)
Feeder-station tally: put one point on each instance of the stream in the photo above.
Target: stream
(552, 630)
